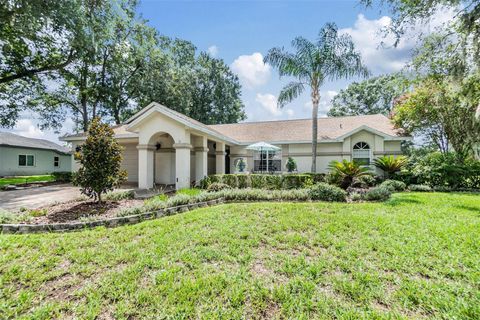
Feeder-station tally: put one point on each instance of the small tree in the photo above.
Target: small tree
(100, 158)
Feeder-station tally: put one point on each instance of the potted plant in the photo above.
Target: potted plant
(241, 165)
(291, 164)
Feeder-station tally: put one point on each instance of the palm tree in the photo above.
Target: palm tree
(331, 57)
(390, 164)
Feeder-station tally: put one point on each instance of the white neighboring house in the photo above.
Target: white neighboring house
(163, 146)
(22, 156)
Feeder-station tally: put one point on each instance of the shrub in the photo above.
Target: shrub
(364, 181)
(100, 160)
(120, 195)
(218, 186)
(243, 181)
(62, 176)
(273, 181)
(37, 212)
(178, 200)
(205, 182)
(327, 192)
(347, 171)
(263, 195)
(390, 164)
(291, 164)
(379, 193)
(231, 180)
(132, 211)
(394, 185)
(216, 178)
(355, 196)
(420, 188)
(317, 177)
(258, 181)
(442, 170)
(296, 181)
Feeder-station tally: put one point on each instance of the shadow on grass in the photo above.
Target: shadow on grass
(473, 209)
(394, 202)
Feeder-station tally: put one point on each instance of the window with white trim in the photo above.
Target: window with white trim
(56, 161)
(362, 153)
(26, 160)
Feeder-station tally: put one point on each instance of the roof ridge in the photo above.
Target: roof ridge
(300, 119)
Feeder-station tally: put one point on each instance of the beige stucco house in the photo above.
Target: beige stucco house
(163, 146)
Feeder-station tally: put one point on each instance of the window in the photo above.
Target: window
(361, 153)
(26, 160)
(56, 161)
(274, 161)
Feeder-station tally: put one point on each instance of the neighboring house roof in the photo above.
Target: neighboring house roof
(281, 131)
(329, 129)
(14, 140)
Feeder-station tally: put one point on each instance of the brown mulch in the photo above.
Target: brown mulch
(74, 211)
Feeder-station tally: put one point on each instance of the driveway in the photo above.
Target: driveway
(37, 197)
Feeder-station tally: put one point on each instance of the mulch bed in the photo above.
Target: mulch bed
(75, 211)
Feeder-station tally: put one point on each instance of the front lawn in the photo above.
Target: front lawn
(416, 255)
(25, 179)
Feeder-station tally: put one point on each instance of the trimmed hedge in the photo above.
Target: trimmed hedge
(62, 176)
(264, 181)
(218, 186)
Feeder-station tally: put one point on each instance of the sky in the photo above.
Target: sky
(242, 32)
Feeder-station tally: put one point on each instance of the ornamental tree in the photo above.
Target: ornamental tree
(100, 158)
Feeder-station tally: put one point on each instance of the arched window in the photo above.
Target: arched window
(361, 153)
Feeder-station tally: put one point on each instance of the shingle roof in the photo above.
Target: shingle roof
(119, 129)
(301, 129)
(14, 140)
(281, 130)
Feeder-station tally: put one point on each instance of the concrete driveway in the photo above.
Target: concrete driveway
(37, 197)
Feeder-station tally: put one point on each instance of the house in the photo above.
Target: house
(162, 146)
(22, 156)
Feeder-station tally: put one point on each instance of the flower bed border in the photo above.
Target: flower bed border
(109, 223)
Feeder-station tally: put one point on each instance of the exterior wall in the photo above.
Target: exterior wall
(43, 162)
(326, 152)
(130, 161)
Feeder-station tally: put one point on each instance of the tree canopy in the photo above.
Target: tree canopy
(83, 59)
(372, 96)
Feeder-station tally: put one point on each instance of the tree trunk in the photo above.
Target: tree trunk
(315, 102)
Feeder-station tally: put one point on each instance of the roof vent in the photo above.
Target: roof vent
(341, 126)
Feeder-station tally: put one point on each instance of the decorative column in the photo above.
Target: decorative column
(220, 158)
(182, 165)
(145, 166)
(201, 160)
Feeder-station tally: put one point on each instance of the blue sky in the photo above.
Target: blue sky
(241, 32)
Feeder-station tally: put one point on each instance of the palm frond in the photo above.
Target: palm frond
(289, 93)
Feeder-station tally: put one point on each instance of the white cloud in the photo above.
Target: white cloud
(251, 70)
(213, 51)
(377, 50)
(269, 103)
(26, 128)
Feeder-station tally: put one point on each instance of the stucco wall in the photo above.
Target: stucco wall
(43, 162)
(326, 152)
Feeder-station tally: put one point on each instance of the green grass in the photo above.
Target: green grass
(25, 179)
(190, 192)
(414, 256)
